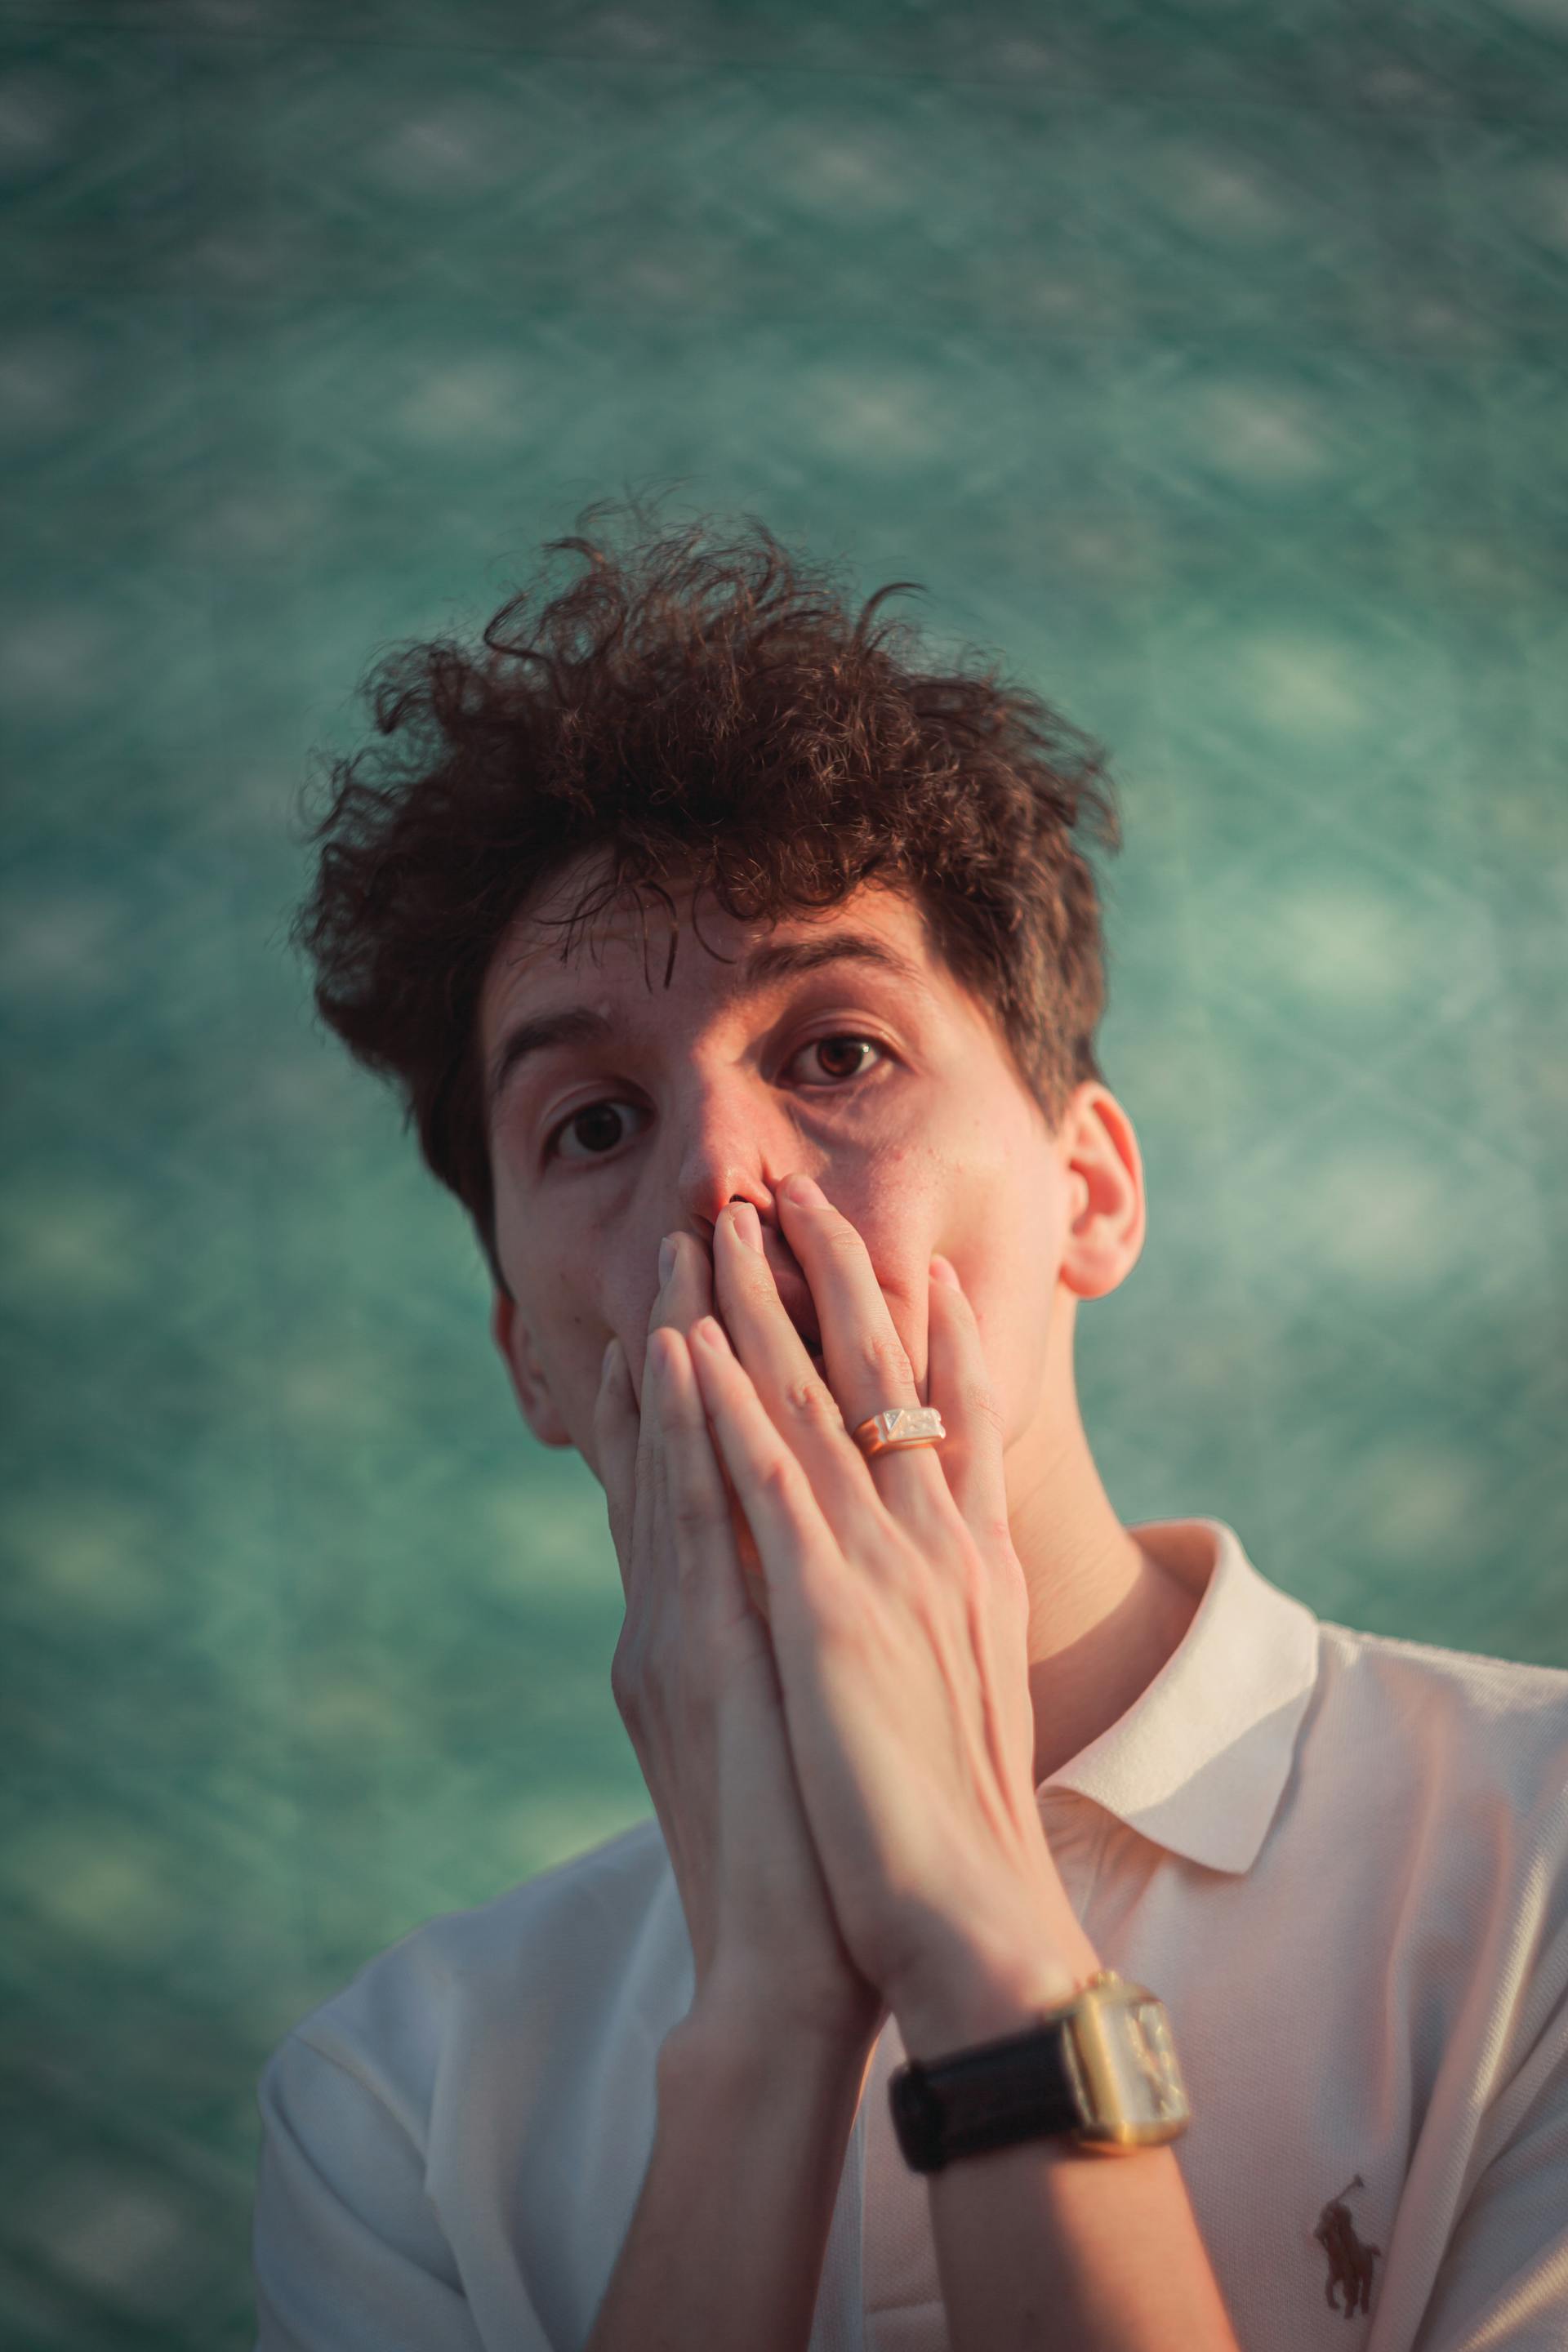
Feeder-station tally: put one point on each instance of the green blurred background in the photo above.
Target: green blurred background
(1209, 363)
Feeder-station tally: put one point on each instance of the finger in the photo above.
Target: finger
(712, 1588)
(794, 1394)
(650, 1504)
(625, 1444)
(958, 1383)
(783, 1509)
(685, 1296)
(687, 1292)
(867, 1363)
(618, 1432)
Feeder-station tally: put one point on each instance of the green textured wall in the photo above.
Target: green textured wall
(1210, 363)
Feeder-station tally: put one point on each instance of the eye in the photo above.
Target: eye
(842, 1058)
(600, 1128)
(595, 1129)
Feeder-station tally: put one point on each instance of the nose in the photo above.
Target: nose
(735, 1142)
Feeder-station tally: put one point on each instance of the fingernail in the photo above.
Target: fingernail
(941, 1271)
(804, 1189)
(666, 1258)
(747, 1224)
(611, 1347)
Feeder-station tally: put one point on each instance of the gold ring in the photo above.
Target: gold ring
(897, 1426)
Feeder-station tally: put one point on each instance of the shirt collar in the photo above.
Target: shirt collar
(1198, 1763)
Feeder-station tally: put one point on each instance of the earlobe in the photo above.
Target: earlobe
(530, 1383)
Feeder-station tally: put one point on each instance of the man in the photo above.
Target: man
(1048, 1932)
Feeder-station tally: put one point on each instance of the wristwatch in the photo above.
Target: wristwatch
(1100, 2069)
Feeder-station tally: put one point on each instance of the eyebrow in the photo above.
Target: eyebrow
(578, 1024)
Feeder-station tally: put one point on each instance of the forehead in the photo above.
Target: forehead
(624, 952)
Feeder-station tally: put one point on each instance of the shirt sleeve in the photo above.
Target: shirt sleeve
(348, 2251)
(1502, 2285)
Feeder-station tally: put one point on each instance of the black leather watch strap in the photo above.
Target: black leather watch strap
(991, 2096)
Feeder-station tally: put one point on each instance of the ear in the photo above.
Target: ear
(527, 1377)
(1105, 1183)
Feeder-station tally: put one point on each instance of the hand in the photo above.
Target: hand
(695, 1682)
(899, 1615)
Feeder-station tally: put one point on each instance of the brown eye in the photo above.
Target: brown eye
(839, 1057)
(594, 1130)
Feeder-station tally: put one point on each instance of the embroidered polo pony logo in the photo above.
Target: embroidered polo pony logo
(1349, 2262)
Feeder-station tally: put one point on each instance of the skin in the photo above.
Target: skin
(938, 1146)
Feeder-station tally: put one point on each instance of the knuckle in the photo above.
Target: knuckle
(841, 1238)
(779, 1482)
(995, 1536)
(810, 1401)
(626, 1679)
(643, 1671)
(885, 1357)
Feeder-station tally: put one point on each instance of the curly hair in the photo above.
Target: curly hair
(702, 708)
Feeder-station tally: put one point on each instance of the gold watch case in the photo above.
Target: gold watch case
(1121, 2063)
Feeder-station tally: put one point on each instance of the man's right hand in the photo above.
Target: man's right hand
(694, 1680)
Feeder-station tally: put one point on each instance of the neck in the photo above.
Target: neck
(1105, 1613)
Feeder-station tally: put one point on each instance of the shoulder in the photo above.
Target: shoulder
(1402, 1714)
(1529, 1701)
(396, 2116)
(539, 1961)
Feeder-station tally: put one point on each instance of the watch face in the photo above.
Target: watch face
(1141, 2063)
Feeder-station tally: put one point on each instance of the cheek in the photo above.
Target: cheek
(1004, 1229)
(557, 1265)
(560, 1302)
(992, 1211)
(990, 1191)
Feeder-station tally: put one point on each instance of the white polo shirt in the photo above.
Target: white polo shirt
(1340, 1861)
